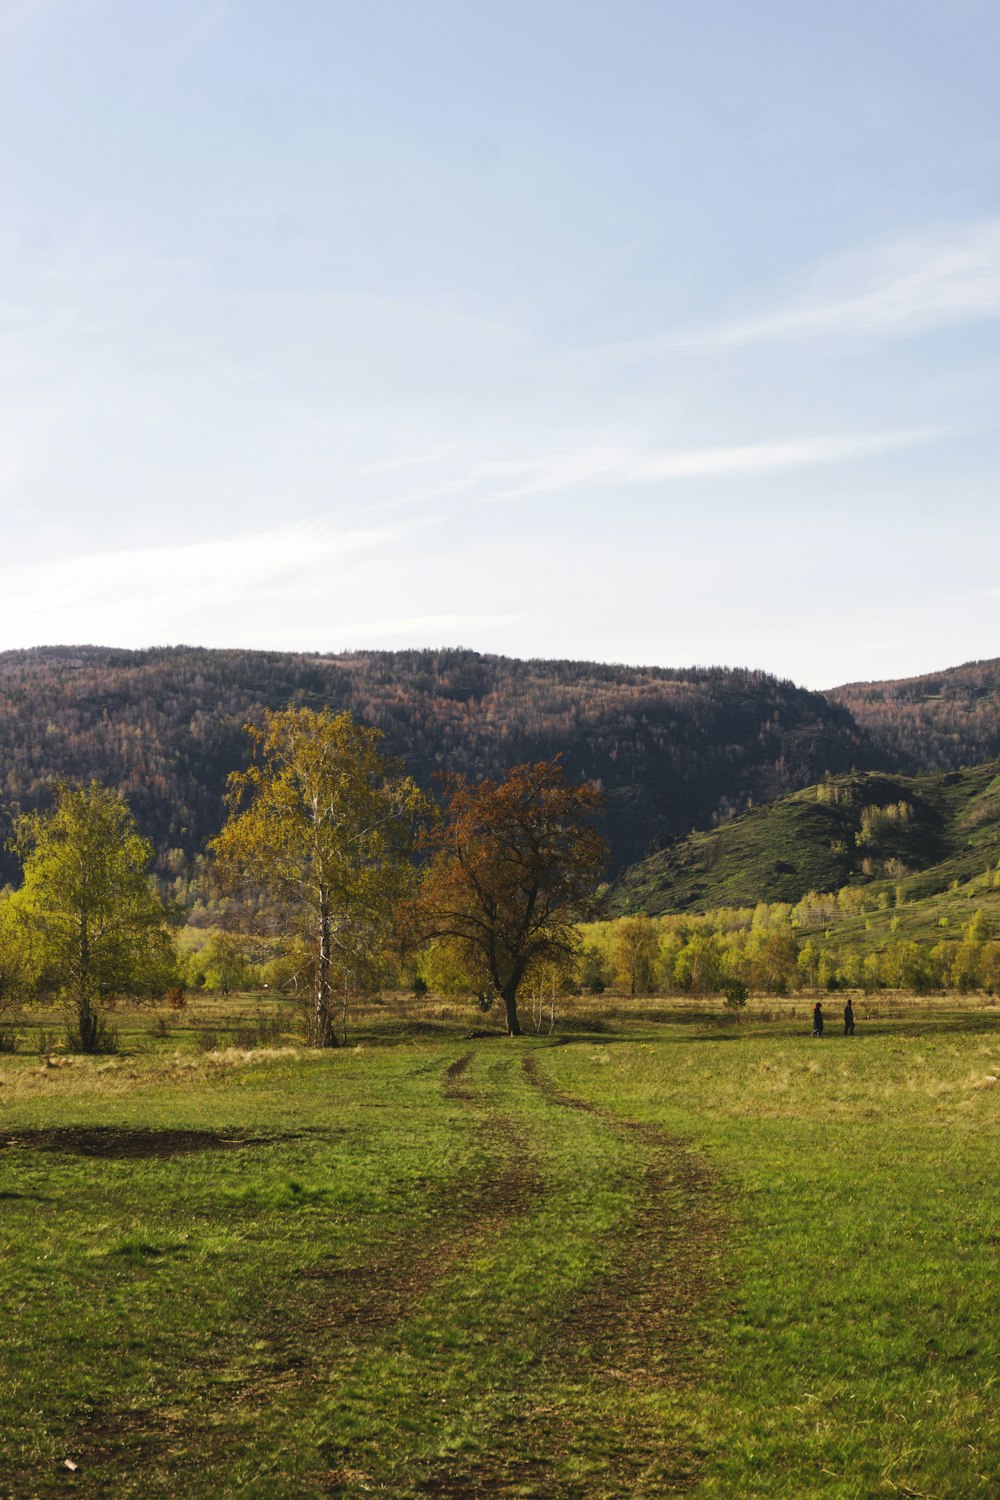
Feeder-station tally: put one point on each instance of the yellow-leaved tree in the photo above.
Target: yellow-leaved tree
(325, 823)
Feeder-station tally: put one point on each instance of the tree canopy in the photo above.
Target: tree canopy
(513, 867)
(90, 921)
(325, 823)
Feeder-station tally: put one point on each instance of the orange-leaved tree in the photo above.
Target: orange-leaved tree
(513, 868)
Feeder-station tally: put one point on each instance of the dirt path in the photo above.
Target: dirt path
(631, 1335)
(381, 1293)
(358, 1303)
(638, 1326)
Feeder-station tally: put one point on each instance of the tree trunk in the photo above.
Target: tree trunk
(510, 1004)
(323, 1032)
(85, 1014)
(87, 1024)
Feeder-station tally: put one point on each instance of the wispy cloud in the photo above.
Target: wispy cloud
(931, 280)
(618, 466)
(609, 466)
(192, 590)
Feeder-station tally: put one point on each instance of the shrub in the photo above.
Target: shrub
(735, 995)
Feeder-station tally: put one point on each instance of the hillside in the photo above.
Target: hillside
(672, 749)
(917, 833)
(937, 722)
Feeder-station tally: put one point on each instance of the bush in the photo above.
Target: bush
(735, 994)
(8, 1039)
(207, 1041)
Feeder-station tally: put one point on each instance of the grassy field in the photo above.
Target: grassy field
(651, 1253)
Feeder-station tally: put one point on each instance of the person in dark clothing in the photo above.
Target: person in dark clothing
(849, 1019)
(817, 1019)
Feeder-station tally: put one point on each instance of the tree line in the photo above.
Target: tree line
(341, 858)
(702, 956)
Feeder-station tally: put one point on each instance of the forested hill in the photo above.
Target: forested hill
(672, 749)
(937, 722)
(910, 837)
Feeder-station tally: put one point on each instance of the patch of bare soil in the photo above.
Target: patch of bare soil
(453, 1088)
(120, 1144)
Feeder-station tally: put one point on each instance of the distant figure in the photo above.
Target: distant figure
(848, 1019)
(817, 1019)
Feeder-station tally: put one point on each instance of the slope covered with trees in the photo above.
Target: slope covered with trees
(671, 750)
(937, 722)
(913, 836)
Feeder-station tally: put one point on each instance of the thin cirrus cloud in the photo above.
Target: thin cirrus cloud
(622, 466)
(943, 277)
(290, 577)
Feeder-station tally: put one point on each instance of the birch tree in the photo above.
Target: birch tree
(90, 921)
(325, 823)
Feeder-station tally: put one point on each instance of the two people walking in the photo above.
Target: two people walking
(848, 1019)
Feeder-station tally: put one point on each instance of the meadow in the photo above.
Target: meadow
(657, 1251)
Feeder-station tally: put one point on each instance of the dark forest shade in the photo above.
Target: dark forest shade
(671, 750)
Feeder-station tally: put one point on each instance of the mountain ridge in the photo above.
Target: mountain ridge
(672, 748)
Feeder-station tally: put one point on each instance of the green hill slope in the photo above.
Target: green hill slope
(918, 833)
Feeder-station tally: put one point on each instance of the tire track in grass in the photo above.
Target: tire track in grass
(355, 1304)
(609, 1409)
(383, 1292)
(636, 1330)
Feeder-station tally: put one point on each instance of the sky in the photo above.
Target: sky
(656, 331)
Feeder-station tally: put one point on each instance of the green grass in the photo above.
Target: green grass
(754, 1264)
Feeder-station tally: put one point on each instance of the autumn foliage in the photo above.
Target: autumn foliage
(513, 867)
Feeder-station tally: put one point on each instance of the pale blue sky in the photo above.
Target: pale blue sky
(655, 332)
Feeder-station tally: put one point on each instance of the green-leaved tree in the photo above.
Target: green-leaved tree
(90, 921)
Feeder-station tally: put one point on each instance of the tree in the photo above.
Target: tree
(513, 867)
(325, 823)
(93, 924)
(908, 966)
(775, 961)
(15, 955)
(698, 966)
(637, 948)
(593, 969)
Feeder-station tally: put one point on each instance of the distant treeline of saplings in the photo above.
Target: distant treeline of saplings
(672, 955)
